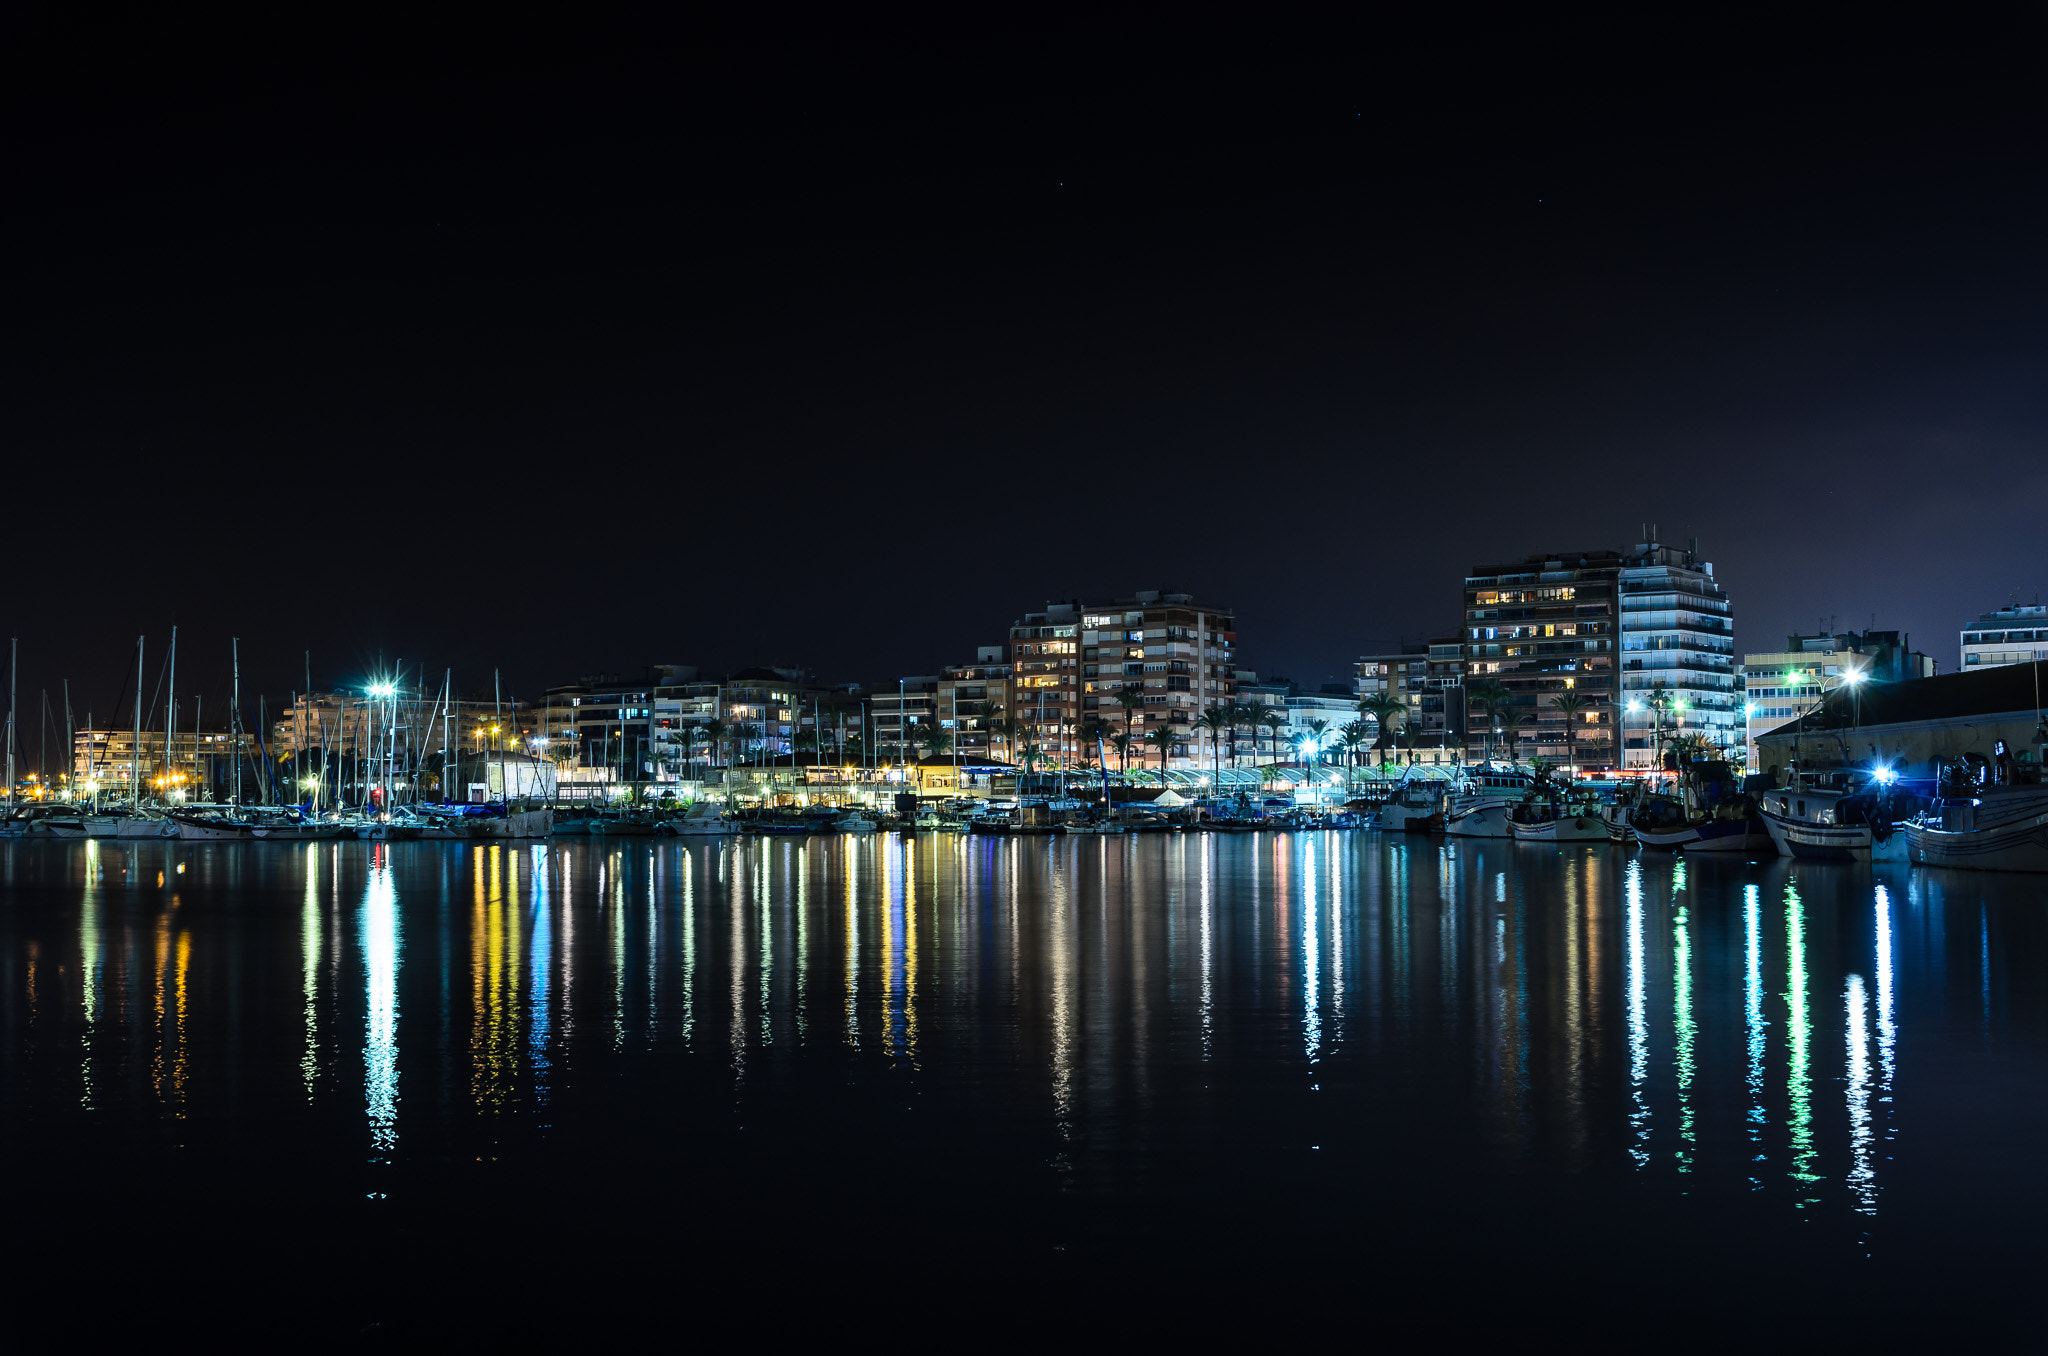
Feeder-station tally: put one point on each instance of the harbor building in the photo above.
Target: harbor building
(1548, 627)
(1781, 686)
(1980, 716)
(2012, 635)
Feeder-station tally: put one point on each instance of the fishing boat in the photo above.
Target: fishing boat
(1615, 815)
(1102, 827)
(1555, 816)
(856, 822)
(1824, 816)
(2002, 826)
(1710, 814)
(1482, 800)
(1418, 806)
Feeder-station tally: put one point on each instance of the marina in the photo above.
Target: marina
(1207, 1042)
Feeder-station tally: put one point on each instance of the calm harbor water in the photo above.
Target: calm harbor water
(1168, 1082)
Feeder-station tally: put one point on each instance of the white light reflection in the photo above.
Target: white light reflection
(1208, 944)
(91, 965)
(380, 979)
(686, 862)
(1862, 1177)
(1638, 1020)
(1887, 1024)
(1753, 1019)
(1311, 956)
(309, 953)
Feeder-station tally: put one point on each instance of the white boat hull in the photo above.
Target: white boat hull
(146, 828)
(1832, 842)
(1487, 820)
(1576, 829)
(2021, 846)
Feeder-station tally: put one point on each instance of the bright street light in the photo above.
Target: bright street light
(1852, 676)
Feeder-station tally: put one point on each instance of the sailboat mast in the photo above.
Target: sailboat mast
(13, 651)
(235, 644)
(497, 712)
(171, 713)
(135, 749)
(70, 743)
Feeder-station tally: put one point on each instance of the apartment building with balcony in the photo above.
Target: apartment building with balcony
(2010, 635)
(610, 728)
(1425, 676)
(1542, 627)
(1677, 638)
(971, 698)
(344, 720)
(191, 765)
(1178, 655)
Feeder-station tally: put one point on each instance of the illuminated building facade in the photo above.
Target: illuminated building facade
(1179, 656)
(1542, 627)
(2011, 635)
(1781, 686)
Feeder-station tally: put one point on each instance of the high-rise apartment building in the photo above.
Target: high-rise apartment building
(1179, 656)
(1677, 643)
(1544, 628)
(2012, 635)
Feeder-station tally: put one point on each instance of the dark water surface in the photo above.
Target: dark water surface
(1032, 1090)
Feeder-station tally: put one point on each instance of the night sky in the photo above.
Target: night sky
(567, 351)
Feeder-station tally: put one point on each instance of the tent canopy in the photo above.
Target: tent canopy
(1169, 800)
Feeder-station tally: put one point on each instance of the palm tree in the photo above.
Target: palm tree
(1386, 710)
(1353, 733)
(1241, 714)
(1275, 720)
(1093, 734)
(1216, 720)
(1317, 728)
(1130, 699)
(1489, 697)
(1162, 738)
(743, 737)
(1121, 741)
(1003, 730)
(715, 731)
(1570, 703)
(933, 740)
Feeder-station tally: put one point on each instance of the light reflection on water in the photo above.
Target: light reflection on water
(1141, 1011)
